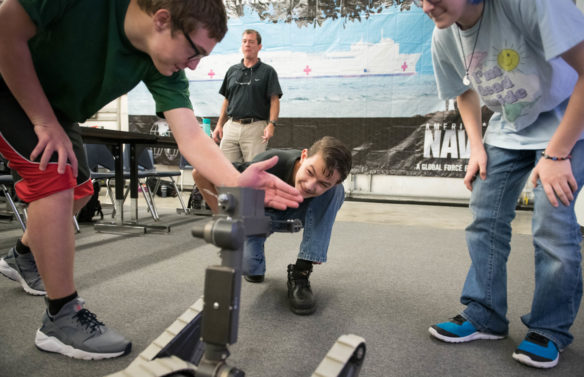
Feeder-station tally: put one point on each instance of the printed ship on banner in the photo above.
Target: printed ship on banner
(361, 60)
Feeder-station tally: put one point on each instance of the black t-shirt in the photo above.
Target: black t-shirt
(284, 169)
(249, 90)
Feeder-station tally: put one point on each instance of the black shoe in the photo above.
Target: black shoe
(196, 199)
(299, 293)
(254, 278)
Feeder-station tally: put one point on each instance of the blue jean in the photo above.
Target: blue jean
(556, 238)
(317, 215)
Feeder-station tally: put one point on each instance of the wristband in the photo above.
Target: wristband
(554, 158)
(273, 122)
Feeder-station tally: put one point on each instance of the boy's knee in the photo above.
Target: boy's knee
(339, 190)
(196, 175)
(81, 202)
(335, 193)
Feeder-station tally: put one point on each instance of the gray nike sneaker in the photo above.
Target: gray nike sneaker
(76, 332)
(22, 268)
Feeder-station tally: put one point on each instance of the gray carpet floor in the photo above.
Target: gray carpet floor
(384, 281)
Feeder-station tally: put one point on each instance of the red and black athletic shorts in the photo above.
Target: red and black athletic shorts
(17, 141)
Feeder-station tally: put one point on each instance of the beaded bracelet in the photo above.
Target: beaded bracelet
(554, 158)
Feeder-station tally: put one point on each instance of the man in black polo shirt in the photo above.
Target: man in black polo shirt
(251, 106)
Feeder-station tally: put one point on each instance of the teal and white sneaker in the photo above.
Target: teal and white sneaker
(459, 330)
(537, 351)
(22, 268)
(76, 332)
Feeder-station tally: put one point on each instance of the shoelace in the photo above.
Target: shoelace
(537, 338)
(88, 320)
(301, 278)
(458, 319)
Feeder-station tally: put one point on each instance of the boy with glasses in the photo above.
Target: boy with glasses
(54, 76)
(524, 59)
(317, 173)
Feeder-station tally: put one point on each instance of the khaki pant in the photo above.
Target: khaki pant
(242, 142)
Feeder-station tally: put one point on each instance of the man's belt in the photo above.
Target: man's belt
(245, 120)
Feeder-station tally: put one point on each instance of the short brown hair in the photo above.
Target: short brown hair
(188, 15)
(335, 154)
(252, 31)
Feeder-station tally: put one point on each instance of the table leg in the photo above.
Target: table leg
(133, 184)
(120, 183)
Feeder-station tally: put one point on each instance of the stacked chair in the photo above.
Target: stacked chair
(147, 170)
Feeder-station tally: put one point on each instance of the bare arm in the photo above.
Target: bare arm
(274, 112)
(218, 131)
(469, 106)
(17, 69)
(207, 158)
(556, 177)
(274, 107)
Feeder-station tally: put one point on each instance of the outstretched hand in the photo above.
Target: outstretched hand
(279, 194)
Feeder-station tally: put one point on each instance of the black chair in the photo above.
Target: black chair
(146, 169)
(102, 167)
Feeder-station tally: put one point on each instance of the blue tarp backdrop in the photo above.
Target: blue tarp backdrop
(358, 70)
(375, 66)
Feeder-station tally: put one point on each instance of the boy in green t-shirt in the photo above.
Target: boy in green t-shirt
(61, 62)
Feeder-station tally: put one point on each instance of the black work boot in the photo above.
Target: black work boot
(299, 293)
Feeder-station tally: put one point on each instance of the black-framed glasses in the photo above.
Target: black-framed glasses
(420, 2)
(198, 54)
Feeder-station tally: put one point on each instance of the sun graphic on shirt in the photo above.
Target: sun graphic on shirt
(508, 59)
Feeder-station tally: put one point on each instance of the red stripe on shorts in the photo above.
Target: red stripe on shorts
(36, 184)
